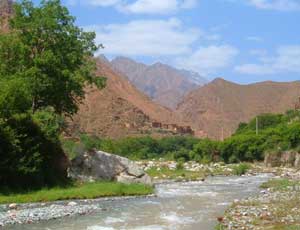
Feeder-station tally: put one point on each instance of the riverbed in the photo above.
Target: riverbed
(178, 206)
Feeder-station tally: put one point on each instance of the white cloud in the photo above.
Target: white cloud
(286, 60)
(208, 60)
(282, 5)
(147, 37)
(150, 6)
(279, 5)
(141, 6)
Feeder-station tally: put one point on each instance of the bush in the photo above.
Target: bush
(28, 156)
(293, 135)
(206, 151)
(136, 148)
(243, 148)
(241, 169)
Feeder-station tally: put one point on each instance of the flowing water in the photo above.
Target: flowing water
(179, 206)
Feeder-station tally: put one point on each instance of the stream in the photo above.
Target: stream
(178, 206)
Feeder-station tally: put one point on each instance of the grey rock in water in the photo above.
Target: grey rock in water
(98, 165)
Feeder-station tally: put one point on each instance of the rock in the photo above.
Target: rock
(12, 206)
(297, 161)
(128, 179)
(282, 158)
(98, 165)
(72, 203)
(220, 219)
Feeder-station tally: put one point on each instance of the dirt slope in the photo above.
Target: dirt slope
(121, 110)
(163, 83)
(220, 106)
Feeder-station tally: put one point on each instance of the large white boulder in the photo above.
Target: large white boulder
(98, 165)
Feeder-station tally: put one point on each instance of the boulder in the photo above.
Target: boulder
(272, 159)
(297, 161)
(282, 158)
(97, 165)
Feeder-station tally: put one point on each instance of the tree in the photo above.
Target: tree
(45, 63)
(206, 151)
(49, 56)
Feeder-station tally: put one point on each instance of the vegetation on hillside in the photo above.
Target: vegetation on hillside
(276, 133)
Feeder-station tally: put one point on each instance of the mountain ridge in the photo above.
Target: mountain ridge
(218, 107)
(121, 110)
(165, 84)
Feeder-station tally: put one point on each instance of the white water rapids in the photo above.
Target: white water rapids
(178, 206)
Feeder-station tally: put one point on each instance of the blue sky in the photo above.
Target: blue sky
(243, 41)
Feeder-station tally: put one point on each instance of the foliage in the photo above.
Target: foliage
(241, 169)
(281, 132)
(243, 148)
(28, 156)
(45, 60)
(176, 148)
(76, 191)
(206, 151)
(45, 63)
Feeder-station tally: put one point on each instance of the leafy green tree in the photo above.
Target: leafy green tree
(292, 134)
(45, 63)
(48, 56)
(206, 151)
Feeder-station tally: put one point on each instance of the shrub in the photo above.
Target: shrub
(206, 151)
(28, 156)
(241, 169)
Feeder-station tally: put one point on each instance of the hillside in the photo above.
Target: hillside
(220, 106)
(121, 110)
(164, 84)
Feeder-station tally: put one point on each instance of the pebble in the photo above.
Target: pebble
(72, 203)
(12, 206)
(263, 208)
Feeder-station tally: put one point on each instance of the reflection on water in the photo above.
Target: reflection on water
(179, 206)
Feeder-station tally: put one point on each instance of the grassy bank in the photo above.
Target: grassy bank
(84, 191)
(281, 184)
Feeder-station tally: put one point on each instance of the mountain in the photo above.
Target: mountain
(218, 107)
(121, 110)
(164, 84)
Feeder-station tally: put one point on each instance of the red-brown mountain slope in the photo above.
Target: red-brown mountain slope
(163, 83)
(121, 110)
(218, 107)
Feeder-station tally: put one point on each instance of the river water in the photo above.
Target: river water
(178, 206)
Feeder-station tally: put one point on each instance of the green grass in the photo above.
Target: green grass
(280, 184)
(84, 191)
(177, 174)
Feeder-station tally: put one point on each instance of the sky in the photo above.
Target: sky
(244, 41)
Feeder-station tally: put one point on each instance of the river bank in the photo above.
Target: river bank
(189, 205)
(161, 172)
(275, 208)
